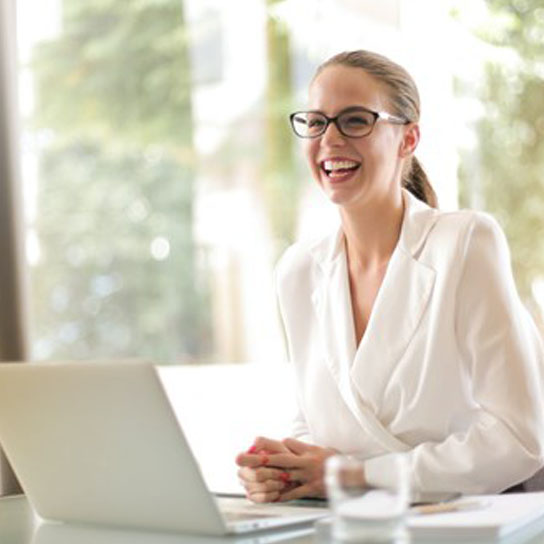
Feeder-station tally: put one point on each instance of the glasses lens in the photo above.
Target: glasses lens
(309, 124)
(356, 123)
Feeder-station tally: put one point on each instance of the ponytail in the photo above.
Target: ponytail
(415, 180)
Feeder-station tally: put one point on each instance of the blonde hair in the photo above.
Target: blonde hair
(404, 98)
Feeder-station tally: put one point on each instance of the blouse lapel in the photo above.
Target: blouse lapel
(396, 315)
(332, 305)
(361, 372)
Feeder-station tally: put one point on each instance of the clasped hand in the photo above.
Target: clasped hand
(277, 471)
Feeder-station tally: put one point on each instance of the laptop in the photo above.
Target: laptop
(98, 442)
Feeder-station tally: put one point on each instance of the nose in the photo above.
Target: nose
(332, 136)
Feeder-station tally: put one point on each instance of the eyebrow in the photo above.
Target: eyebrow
(357, 108)
(349, 109)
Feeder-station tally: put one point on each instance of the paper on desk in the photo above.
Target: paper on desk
(499, 516)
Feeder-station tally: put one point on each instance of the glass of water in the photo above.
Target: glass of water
(366, 512)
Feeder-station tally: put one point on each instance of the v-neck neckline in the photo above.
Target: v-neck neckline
(357, 344)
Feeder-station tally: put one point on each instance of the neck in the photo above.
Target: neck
(372, 231)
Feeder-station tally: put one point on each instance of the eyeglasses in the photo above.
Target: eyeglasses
(355, 122)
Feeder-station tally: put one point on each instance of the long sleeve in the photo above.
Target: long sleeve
(502, 354)
(299, 426)
(300, 429)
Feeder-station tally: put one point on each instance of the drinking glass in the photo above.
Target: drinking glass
(365, 511)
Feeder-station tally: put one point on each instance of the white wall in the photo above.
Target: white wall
(222, 408)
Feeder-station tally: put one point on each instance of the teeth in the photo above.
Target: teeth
(339, 165)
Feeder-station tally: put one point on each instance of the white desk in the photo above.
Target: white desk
(18, 525)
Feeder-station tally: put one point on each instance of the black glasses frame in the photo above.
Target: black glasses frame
(328, 120)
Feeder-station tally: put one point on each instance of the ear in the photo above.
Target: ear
(409, 140)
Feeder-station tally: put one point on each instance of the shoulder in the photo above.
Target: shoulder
(467, 229)
(428, 230)
(296, 258)
(293, 269)
(470, 244)
(300, 261)
(448, 238)
(474, 229)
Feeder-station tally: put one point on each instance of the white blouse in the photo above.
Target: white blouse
(449, 369)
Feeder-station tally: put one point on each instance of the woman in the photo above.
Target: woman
(404, 327)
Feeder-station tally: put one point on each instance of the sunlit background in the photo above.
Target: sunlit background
(162, 183)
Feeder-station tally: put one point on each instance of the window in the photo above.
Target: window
(162, 183)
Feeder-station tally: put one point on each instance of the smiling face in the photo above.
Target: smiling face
(357, 171)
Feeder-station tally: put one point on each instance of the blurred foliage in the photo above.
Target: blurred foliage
(119, 71)
(281, 179)
(118, 274)
(510, 162)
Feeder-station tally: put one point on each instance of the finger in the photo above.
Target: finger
(285, 460)
(246, 474)
(252, 460)
(241, 459)
(285, 476)
(271, 496)
(296, 446)
(278, 460)
(255, 460)
(290, 485)
(264, 487)
(295, 475)
(269, 445)
(260, 474)
(297, 493)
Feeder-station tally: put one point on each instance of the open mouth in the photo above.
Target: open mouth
(339, 168)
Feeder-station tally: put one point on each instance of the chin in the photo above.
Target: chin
(339, 200)
(339, 196)
(336, 199)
